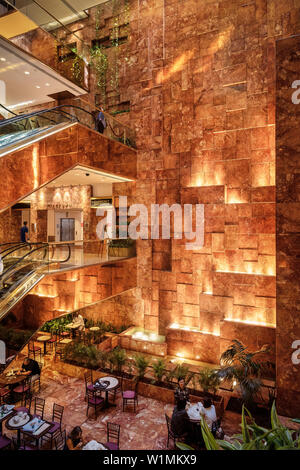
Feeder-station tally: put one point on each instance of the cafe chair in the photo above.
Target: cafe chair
(25, 445)
(5, 442)
(39, 407)
(34, 350)
(88, 378)
(113, 436)
(57, 415)
(130, 397)
(171, 434)
(59, 351)
(94, 401)
(60, 441)
(4, 394)
(22, 391)
(36, 383)
(25, 404)
(53, 340)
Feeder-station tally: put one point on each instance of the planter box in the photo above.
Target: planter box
(147, 390)
(122, 252)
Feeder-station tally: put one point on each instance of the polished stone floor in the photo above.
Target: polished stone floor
(144, 429)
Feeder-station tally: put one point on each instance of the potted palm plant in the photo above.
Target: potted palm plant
(158, 367)
(141, 364)
(241, 367)
(209, 380)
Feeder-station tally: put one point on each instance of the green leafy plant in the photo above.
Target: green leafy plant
(141, 364)
(209, 380)
(117, 359)
(181, 371)
(254, 437)
(238, 364)
(158, 367)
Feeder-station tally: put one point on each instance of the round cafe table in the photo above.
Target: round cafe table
(113, 384)
(17, 426)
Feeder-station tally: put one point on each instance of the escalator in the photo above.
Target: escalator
(22, 130)
(23, 266)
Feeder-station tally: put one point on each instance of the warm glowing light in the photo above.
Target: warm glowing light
(175, 326)
(181, 355)
(250, 322)
(3, 59)
(35, 165)
(27, 73)
(176, 67)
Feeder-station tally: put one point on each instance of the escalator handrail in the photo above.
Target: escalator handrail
(16, 248)
(53, 251)
(20, 117)
(44, 245)
(9, 270)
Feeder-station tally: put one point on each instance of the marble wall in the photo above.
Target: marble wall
(288, 225)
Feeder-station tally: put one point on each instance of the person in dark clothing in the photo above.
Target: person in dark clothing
(24, 233)
(100, 121)
(180, 423)
(74, 440)
(181, 393)
(30, 367)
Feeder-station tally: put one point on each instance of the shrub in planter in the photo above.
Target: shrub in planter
(158, 367)
(209, 380)
(81, 354)
(141, 364)
(117, 359)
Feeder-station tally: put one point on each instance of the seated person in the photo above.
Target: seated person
(74, 440)
(31, 368)
(208, 412)
(79, 321)
(181, 392)
(180, 420)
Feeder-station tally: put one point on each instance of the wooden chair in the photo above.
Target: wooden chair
(113, 436)
(94, 401)
(130, 397)
(60, 441)
(171, 434)
(34, 351)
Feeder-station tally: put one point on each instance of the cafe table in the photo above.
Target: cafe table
(38, 431)
(44, 339)
(8, 379)
(109, 384)
(6, 411)
(14, 425)
(73, 326)
(66, 341)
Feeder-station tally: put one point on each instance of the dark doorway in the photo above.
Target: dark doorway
(67, 230)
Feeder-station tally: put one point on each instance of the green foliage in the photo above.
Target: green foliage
(254, 437)
(183, 446)
(57, 324)
(141, 364)
(82, 354)
(238, 364)
(117, 359)
(14, 338)
(209, 380)
(179, 372)
(158, 367)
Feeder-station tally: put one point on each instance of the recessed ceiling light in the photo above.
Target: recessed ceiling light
(3, 59)
(27, 73)
(47, 84)
(37, 86)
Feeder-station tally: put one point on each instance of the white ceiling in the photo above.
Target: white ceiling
(78, 176)
(18, 87)
(45, 12)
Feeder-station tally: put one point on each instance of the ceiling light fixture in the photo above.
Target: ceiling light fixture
(37, 86)
(3, 59)
(47, 84)
(27, 73)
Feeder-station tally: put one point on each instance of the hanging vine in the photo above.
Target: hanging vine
(114, 38)
(100, 63)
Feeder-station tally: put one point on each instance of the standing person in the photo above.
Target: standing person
(181, 392)
(24, 233)
(100, 121)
